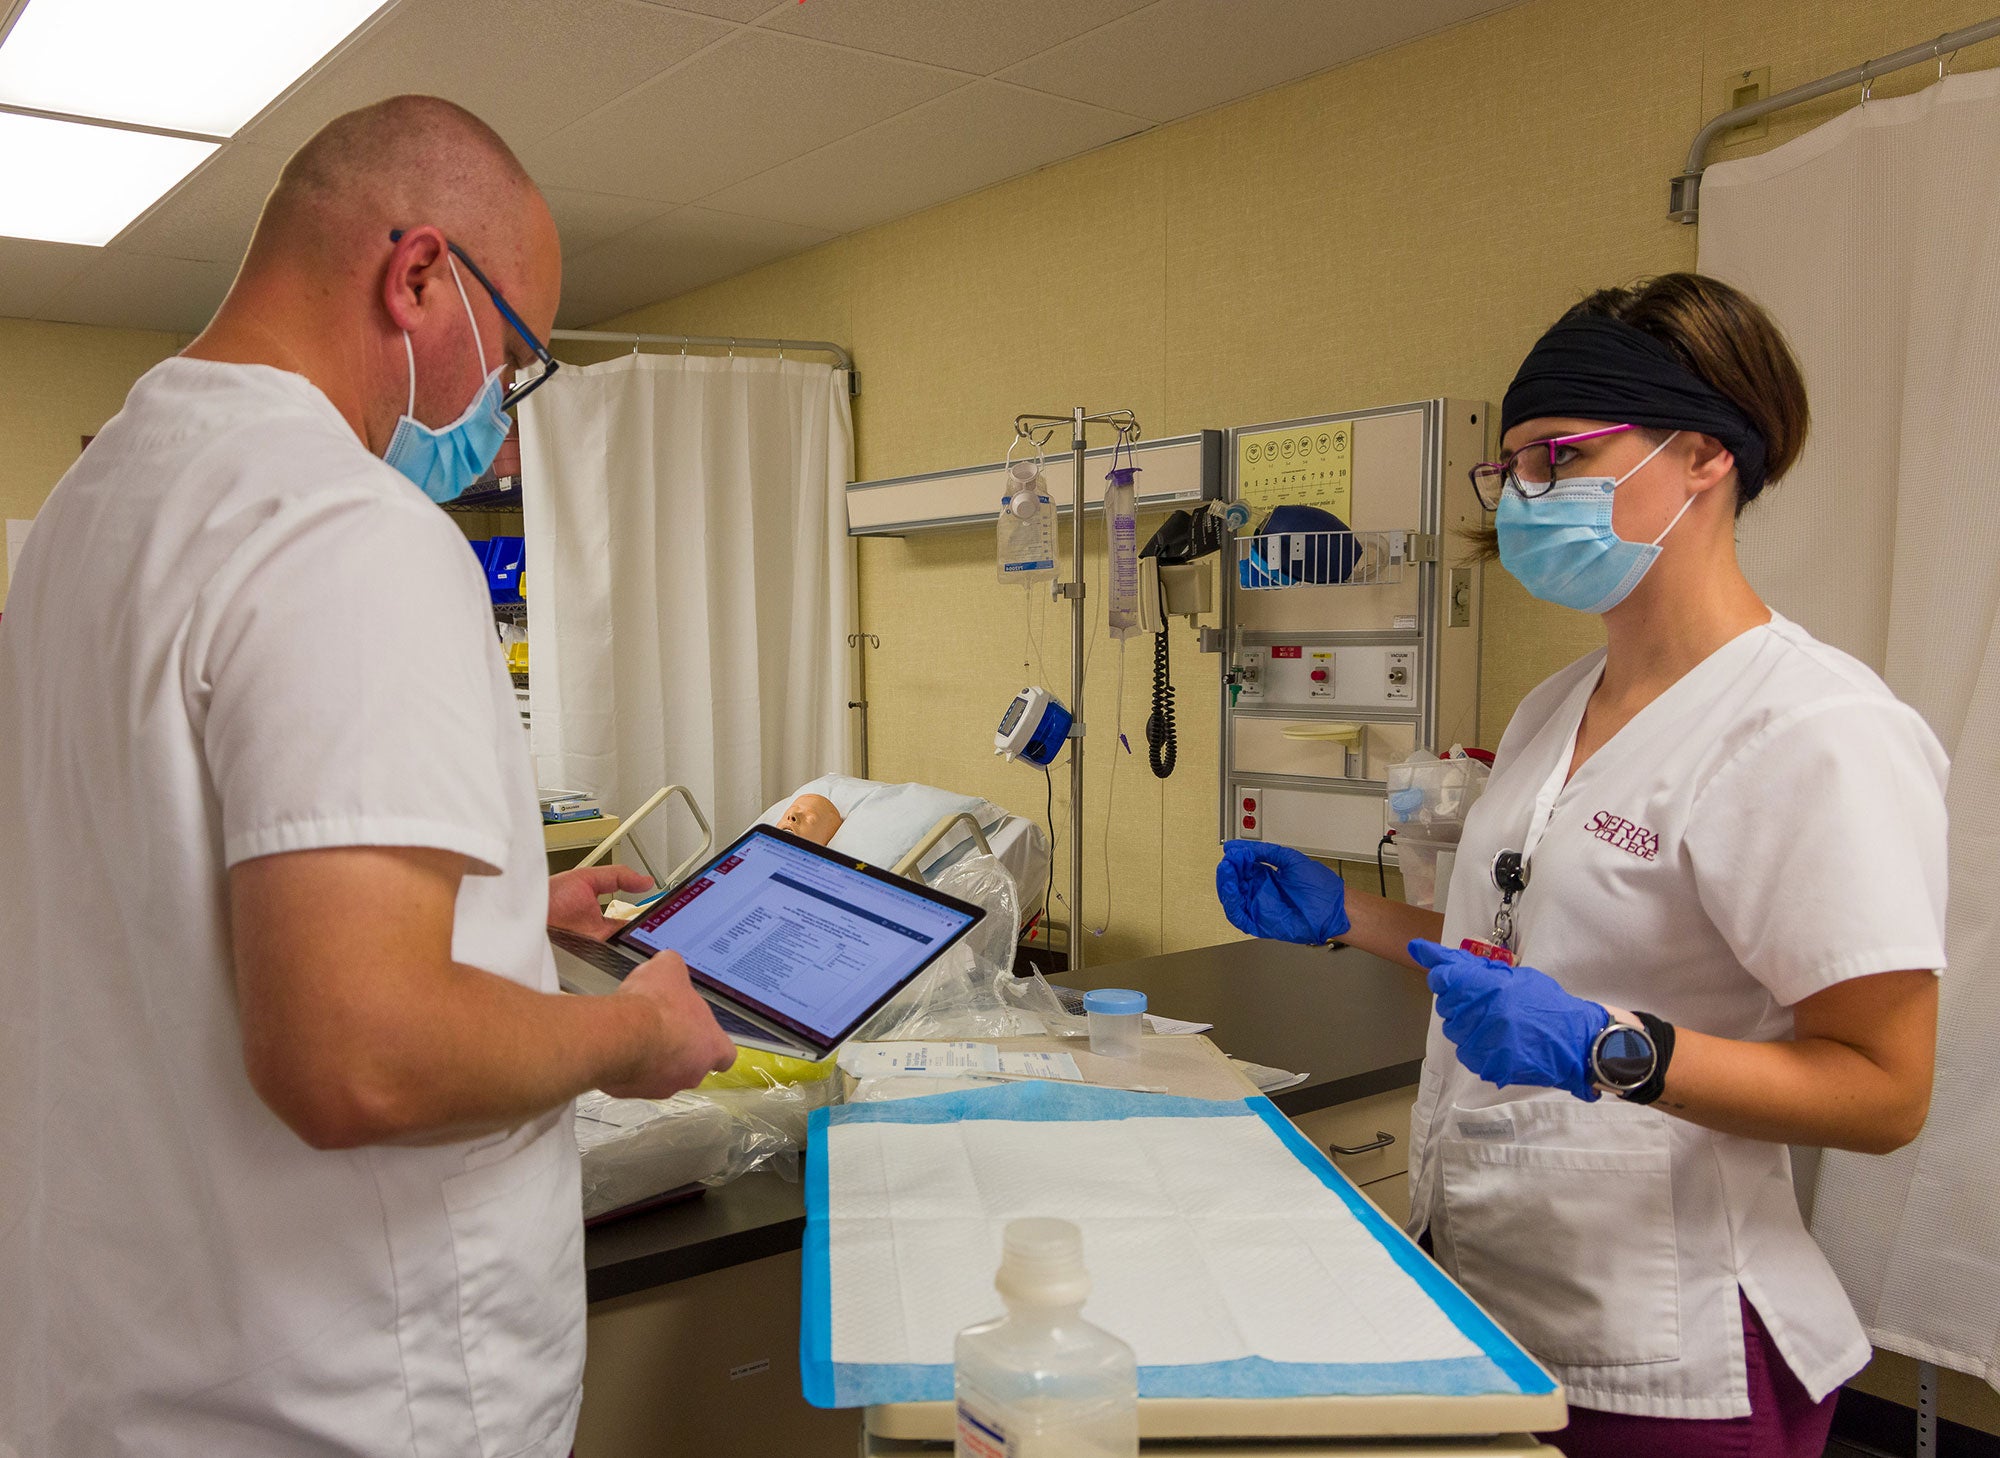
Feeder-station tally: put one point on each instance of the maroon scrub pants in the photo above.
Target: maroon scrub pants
(1784, 1422)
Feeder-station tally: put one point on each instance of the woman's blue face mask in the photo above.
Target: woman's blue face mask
(443, 462)
(1560, 546)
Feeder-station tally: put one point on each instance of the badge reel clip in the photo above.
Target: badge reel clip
(1510, 875)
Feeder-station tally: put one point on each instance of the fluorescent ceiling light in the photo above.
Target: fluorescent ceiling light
(67, 182)
(186, 65)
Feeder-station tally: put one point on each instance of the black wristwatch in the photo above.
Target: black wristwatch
(1631, 1059)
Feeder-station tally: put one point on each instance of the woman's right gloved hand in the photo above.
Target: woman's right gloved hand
(1274, 891)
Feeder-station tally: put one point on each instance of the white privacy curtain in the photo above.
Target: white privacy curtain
(690, 582)
(1875, 241)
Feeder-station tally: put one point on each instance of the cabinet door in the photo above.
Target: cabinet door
(1391, 1197)
(706, 1366)
(1363, 1122)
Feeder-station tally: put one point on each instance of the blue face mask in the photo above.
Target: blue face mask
(444, 462)
(1561, 546)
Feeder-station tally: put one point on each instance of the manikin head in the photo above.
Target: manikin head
(813, 818)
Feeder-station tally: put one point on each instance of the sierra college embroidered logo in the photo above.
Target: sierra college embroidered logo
(1616, 830)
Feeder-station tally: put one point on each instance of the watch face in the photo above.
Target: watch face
(1624, 1057)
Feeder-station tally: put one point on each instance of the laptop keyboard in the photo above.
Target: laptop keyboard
(596, 953)
(605, 959)
(737, 1029)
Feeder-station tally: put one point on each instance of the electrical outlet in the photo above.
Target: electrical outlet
(1400, 676)
(1249, 813)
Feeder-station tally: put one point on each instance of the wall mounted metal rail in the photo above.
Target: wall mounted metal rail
(685, 342)
(1684, 192)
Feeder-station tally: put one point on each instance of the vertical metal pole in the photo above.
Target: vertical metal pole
(1076, 615)
(1927, 1405)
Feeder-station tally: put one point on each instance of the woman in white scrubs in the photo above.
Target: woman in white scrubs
(1697, 915)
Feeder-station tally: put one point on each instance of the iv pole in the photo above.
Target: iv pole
(1073, 590)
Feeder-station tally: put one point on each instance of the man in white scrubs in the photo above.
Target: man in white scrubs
(285, 1157)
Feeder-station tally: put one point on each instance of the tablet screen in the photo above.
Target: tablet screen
(810, 941)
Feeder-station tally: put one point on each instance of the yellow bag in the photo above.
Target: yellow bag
(754, 1068)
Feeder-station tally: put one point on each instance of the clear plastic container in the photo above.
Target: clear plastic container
(1117, 1017)
(1041, 1382)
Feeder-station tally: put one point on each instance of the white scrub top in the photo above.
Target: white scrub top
(1771, 825)
(235, 632)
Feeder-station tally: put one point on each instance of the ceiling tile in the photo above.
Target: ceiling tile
(1178, 57)
(211, 215)
(977, 38)
(586, 219)
(30, 271)
(977, 136)
(669, 256)
(527, 67)
(725, 9)
(138, 291)
(745, 106)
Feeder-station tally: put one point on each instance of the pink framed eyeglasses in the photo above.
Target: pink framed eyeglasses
(1531, 470)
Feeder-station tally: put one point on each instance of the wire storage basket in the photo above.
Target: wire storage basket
(1321, 559)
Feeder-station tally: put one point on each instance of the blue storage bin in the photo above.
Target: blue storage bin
(505, 557)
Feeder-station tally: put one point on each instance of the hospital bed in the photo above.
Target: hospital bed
(922, 830)
(917, 831)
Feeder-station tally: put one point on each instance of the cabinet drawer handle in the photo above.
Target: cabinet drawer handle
(1382, 1140)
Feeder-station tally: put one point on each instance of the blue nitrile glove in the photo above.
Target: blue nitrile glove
(1274, 891)
(1513, 1025)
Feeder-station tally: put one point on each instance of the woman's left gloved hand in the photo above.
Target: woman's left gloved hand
(1273, 891)
(1513, 1025)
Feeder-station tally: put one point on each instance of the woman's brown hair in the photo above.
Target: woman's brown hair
(1721, 334)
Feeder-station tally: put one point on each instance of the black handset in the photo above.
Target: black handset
(1182, 537)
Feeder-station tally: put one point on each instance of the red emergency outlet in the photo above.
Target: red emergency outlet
(1249, 822)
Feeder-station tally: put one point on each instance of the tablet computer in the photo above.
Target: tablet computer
(794, 945)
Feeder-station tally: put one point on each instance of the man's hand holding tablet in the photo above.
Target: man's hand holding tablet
(680, 1044)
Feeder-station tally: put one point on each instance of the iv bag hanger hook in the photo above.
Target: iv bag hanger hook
(1038, 439)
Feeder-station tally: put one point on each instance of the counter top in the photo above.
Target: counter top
(1354, 1024)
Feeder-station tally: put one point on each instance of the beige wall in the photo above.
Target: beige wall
(59, 383)
(1399, 228)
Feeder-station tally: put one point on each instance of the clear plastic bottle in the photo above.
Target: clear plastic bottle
(1041, 1382)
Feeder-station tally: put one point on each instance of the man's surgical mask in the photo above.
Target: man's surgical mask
(1560, 546)
(445, 461)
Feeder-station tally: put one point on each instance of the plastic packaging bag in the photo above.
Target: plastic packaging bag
(1429, 798)
(634, 1149)
(971, 991)
(1027, 526)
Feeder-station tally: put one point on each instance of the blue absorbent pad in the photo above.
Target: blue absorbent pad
(925, 1185)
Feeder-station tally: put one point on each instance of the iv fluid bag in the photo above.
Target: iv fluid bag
(1122, 551)
(1027, 528)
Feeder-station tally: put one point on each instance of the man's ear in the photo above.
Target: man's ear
(414, 260)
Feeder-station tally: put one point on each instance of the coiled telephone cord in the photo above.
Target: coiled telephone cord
(1162, 744)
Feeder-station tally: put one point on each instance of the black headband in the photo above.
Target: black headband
(1599, 368)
